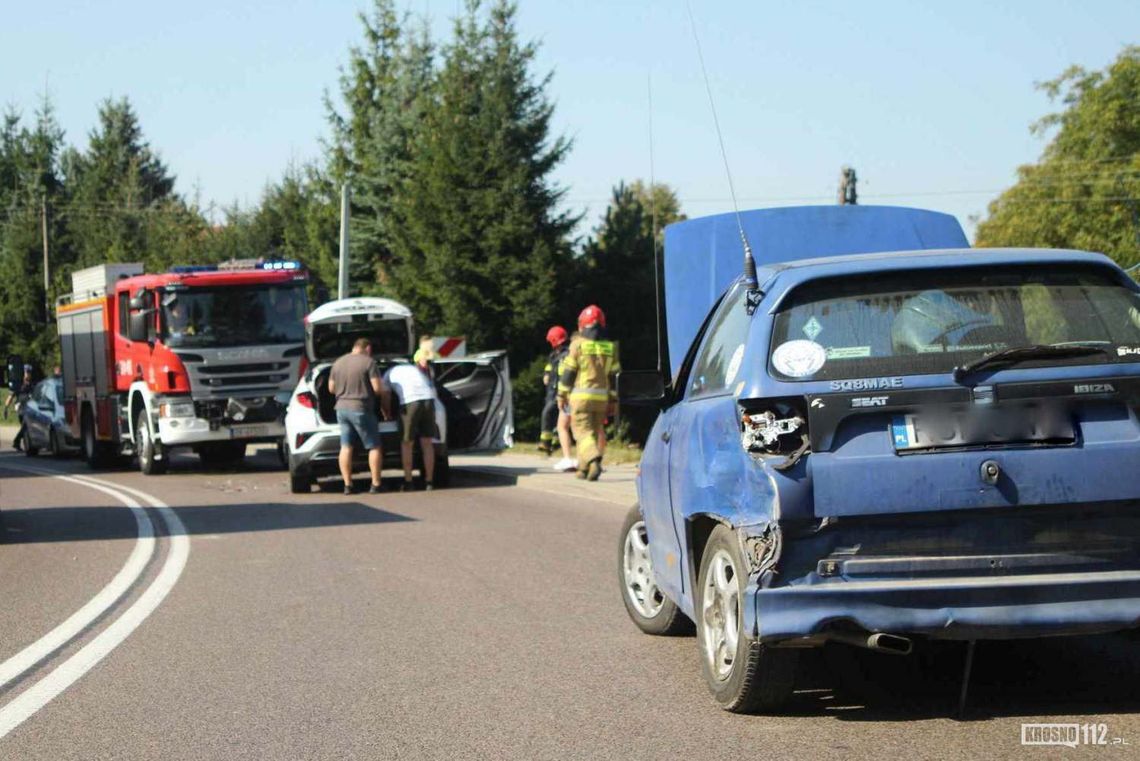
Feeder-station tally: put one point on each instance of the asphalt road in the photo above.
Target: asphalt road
(477, 622)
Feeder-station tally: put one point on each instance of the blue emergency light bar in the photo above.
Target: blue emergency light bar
(238, 264)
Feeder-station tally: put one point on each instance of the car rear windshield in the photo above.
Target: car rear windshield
(930, 321)
(389, 337)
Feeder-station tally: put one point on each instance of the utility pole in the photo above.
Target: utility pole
(847, 193)
(47, 279)
(342, 275)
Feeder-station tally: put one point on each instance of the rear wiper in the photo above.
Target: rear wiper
(1016, 354)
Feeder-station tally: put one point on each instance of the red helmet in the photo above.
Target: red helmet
(556, 336)
(591, 315)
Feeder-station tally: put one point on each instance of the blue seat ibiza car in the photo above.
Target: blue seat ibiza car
(882, 435)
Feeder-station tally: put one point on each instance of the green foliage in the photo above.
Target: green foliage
(1084, 193)
(529, 397)
(616, 270)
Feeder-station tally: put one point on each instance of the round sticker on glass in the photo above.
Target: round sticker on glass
(734, 365)
(799, 359)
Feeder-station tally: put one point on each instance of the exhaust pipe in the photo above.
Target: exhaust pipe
(880, 642)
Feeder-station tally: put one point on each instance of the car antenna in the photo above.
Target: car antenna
(661, 347)
(753, 299)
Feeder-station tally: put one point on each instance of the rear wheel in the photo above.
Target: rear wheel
(300, 479)
(743, 675)
(646, 604)
(146, 448)
(53, 443)
(95, 452)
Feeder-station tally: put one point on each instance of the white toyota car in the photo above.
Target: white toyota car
(473, 412)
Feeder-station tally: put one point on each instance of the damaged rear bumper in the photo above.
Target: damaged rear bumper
(1031, 605)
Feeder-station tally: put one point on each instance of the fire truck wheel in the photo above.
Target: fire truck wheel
(145, 447)
(94, 451)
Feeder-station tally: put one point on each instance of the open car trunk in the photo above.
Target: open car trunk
(475, 390)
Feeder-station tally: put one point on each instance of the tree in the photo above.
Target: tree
(387, 82)
(1084, 192)
(30, 179)
(119, 190)
(480, 240)
(617, 267)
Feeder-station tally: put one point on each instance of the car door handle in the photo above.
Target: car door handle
(666, 436)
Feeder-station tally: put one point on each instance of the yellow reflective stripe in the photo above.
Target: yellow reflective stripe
(597, 348)
(600, 395)
(548, 368)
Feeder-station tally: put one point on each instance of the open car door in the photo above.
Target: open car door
(476, 392)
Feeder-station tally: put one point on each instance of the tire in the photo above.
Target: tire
(95, 452)
(222, 452)
(145, 447)
(743, 675)
(300, 480)
(53, 444)
(647, 606)
(29, 450)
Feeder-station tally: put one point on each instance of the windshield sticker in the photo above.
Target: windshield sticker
(812, 328)
(734, 365)
(799, 359)
(1128, 351)
(848, 352)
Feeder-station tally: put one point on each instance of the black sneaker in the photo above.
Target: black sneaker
(408, 486)
(594, 470)
(348, 488)
(429, 486)
(376, 489)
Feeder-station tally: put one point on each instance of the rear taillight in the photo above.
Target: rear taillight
(307, 400)
(777, 427)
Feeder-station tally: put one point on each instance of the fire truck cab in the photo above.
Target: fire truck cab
(204, 357)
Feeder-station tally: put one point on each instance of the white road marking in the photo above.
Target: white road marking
(67, 673)
(82, 618)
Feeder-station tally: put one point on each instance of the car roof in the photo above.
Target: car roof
(957, 258)
(343, 309)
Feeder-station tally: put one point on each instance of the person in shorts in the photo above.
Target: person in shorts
(355, 382)
(415, 392)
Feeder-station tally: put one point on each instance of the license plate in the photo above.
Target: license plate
(994, 425)
(250, 431)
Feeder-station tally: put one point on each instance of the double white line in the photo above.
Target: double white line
(83, 660)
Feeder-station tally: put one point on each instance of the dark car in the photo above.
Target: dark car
(44, 422)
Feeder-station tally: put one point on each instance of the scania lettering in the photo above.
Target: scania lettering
(201, 357)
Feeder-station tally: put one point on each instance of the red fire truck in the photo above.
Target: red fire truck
(200, 357)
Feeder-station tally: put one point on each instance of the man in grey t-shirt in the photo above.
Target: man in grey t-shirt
(355, 381)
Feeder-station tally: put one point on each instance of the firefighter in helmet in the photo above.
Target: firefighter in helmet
(588, 382)
(553, 428)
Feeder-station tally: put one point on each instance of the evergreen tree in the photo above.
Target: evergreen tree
(119, 186)
(616, 270)
(480, 240)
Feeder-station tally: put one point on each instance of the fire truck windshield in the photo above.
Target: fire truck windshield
(206, 317)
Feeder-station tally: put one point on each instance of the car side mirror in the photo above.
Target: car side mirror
(641, 387)
(137, 326)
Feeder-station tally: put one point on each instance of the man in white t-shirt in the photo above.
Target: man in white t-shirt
(415, 393)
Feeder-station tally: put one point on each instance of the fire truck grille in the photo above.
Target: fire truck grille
(222, 380)
(264, 367)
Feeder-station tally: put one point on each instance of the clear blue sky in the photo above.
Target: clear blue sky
(930, 102)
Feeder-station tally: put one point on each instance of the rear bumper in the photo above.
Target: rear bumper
(319, 453)
(951, 608)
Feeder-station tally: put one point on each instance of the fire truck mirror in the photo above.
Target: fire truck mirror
(138, 327)
(140, 300)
